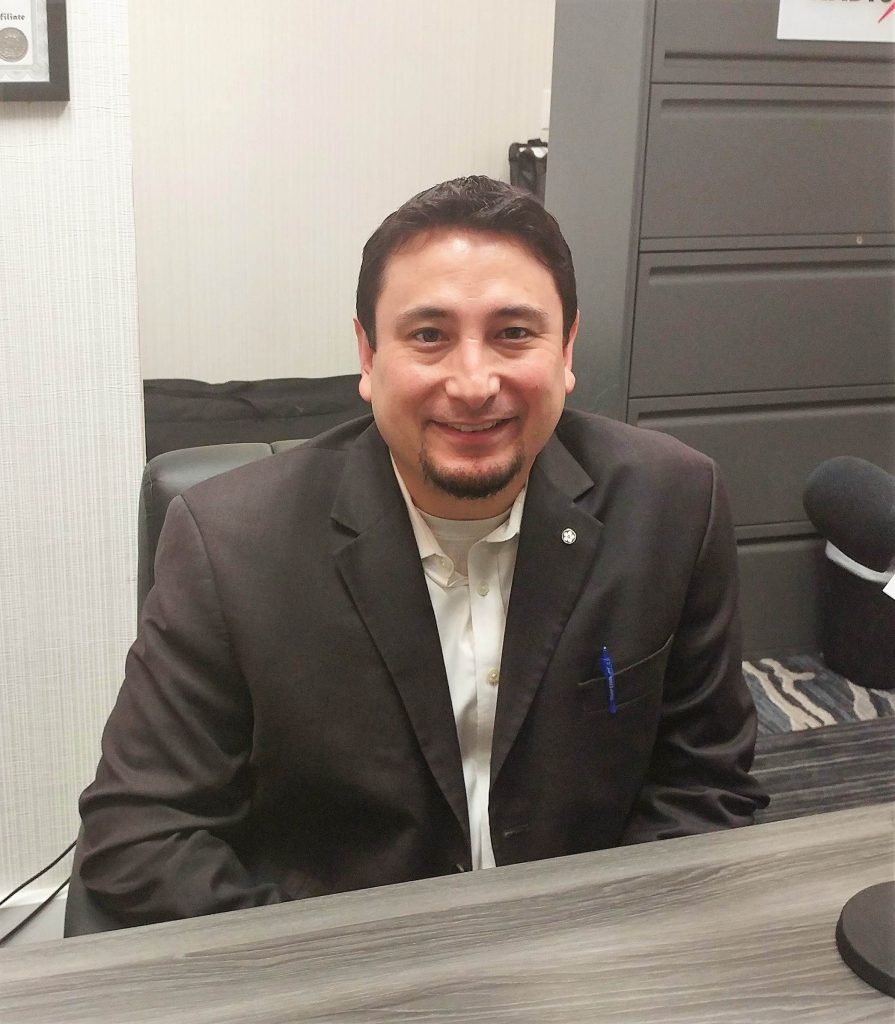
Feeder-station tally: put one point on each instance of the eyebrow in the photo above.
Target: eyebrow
(533, 314)
(523, 312)
(417, 313)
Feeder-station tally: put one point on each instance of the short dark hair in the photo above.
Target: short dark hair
(479, 204)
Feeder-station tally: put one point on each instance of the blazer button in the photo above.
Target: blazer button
(514, 830)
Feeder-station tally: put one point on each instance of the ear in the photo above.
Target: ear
(365, 357)
(567, 353)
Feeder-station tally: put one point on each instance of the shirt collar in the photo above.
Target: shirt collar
(425, 540)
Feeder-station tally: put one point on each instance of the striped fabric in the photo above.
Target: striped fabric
(799, 692)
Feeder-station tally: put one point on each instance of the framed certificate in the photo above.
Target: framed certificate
(33, 50)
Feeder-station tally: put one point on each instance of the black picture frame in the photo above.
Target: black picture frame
(57, 45)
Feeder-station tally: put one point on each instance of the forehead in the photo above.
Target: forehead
(464, 263)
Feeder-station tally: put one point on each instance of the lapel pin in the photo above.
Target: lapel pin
(569, 536)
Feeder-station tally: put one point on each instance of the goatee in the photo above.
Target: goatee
(471, 485)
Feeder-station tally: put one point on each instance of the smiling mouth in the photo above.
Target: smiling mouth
(475, 428)
(472, 428)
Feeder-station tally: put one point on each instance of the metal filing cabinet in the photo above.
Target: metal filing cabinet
(730, 202)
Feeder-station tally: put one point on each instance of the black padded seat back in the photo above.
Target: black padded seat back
(192, 413)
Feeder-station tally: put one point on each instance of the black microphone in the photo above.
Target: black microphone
(851, 503)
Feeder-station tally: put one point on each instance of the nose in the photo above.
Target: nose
(472, 376)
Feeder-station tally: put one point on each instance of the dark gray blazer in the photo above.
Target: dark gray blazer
(285, 726)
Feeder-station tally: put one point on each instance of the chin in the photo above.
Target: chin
(472, 483)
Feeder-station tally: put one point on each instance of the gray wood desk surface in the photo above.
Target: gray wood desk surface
(730, 927)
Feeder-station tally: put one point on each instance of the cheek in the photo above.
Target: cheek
(545, 385)
(397, 390)
(544, 396)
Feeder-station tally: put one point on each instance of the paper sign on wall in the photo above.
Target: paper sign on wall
(843, 21)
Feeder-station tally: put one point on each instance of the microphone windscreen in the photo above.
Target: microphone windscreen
(851, 503)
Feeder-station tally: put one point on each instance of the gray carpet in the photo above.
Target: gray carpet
(830, 768)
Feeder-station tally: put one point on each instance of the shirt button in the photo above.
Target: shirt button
(493, 676)
(483, 589)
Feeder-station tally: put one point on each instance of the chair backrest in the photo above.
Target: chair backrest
(189, 413)
(164, 477)
(171, 473)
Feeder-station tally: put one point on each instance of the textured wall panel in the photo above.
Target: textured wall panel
(271, 139)
(70, 423)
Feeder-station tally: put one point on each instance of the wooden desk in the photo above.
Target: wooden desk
(731, 927)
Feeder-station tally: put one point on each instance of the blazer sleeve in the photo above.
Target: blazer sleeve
(698, 779)
(172, 788)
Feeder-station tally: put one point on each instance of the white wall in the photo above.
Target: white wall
(270, 140)
(70, 423)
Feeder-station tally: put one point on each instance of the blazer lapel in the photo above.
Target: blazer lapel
(557, 547)
(378, 551)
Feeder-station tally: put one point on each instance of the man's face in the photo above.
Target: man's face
(470, 372)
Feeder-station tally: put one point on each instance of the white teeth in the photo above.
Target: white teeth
(469, 428)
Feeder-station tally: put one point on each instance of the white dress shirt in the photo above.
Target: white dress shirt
(469, 568)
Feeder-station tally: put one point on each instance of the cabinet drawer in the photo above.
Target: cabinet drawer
(780, 595)
(753, 321)
(766, 452)
(736, 41)
(768, 160)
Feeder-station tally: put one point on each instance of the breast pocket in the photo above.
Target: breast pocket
(633, 682)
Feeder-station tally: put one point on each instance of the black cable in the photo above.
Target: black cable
(42, 871)
(12, 931)
(8, 935)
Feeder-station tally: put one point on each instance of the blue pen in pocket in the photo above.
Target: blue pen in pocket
(609, 673)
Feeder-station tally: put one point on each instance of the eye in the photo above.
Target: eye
(427, 335)
(515, 333)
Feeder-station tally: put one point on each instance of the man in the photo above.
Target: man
(475, 630)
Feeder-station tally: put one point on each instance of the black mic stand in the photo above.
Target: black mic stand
(865, 936)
